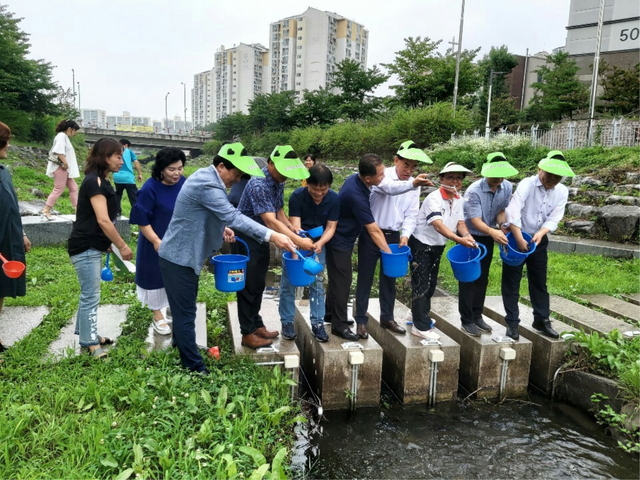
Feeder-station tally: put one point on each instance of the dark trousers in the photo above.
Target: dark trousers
(250, 297)
(471, 295)
(424, 278)
(181, 284)
(132, 193)
(537, 275)
(368, 255)
(340, 275)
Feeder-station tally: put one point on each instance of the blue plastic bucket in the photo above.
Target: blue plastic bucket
(465, 262)
(396, 263)
(294, 269)
(511, 255)
(230, 269)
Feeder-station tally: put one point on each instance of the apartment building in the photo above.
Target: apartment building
(203, 98)
(306, 48)
(92, 117)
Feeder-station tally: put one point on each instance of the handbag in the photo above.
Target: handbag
(53, 158)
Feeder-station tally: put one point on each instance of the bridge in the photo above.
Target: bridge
(192, 143)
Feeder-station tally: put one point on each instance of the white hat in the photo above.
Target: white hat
(453, 167)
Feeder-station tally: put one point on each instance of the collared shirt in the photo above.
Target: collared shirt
(395, 203)
(481, 202)
(533, 206)
(355, 212)
(436, 207)
(262, 195)
(311, 214)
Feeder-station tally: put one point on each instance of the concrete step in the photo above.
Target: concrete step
(584, 318)
(17, 322)
(547, 355)
(564, 244)
(155, 341)
(614, 306)
(406, 365)
(56, 231)
(632, 297)
(329, 369)
(480, 357)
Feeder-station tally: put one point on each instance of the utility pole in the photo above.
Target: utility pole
(487, 127)
(455, 82)
(166, 116)
(594, 78)
(184, 86)
(79, 97)
(73, 85)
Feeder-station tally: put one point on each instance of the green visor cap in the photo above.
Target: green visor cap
(287, 162)
(237, 155)
(497, 166)
(554, 163)
(453, 167)
(410, 151)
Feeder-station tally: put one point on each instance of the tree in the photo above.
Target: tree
(503, 104)
(272, 111)
(355, 85)
(621, 87)
(559, 93)
(227, 128)
(319, 107)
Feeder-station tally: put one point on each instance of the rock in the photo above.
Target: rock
(581, 226)
(623, 200)
(632, 422)
(580, 180)
(579, 210)
(620, 221)
(628, 188)
(573, 191)
(596, 196)
(577, 181)
(31, 207)
(36, 192)
(633, 177)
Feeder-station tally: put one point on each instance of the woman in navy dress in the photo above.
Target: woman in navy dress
(152, 212)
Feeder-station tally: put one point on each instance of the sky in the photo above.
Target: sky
(127, 54)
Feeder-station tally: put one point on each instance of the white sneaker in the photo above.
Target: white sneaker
(161, 327)
(428, 334)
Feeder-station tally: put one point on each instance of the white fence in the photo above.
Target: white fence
(616, 133)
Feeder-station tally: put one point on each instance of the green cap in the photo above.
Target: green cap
(287, 162)
(554, 163)
(497, 166)
(455, 168)
(410, 151)
(237, 155)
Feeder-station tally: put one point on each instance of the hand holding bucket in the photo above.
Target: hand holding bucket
(12, 268)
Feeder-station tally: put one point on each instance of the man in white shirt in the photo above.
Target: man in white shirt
(394, 203)
(536, 208)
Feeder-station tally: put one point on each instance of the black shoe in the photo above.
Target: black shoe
(393, 326)
(320, 333)
(482, 325)
(347, 334)
(512, 332)
(362, 331)
(544, 327)
(288, 331)
(472, 329)
(350, 321)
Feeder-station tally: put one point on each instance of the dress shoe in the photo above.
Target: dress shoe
(472, 329)
(254, 341)
(512, 332)
(544, 327)
(393, 326)
(288, 331)
(482, 325)
(347, 334)
(361, 329)
(262, 332)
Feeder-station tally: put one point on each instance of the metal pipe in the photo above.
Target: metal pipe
(354, 386)
(455, 82)
(524, 79)
(270, 363)
(503, 377)
(594, 78)
(433, 382)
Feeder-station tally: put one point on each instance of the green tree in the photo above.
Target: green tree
(558, 93)
(503, 105)
(621, 87)
(355, 86)
(319, 107)
(227, 128)
(273, 111)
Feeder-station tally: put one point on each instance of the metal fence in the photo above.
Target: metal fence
(566, 136)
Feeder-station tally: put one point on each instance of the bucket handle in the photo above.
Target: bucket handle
(238, 239)
(484, 251)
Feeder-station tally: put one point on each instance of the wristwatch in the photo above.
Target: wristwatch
(505, 225)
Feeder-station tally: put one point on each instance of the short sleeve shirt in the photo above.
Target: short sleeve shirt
(262, 195)
(437, 207)
(125, 174)
(355, 212)
(311, 215)
(481, 202)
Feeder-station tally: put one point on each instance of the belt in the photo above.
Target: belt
(388, 230)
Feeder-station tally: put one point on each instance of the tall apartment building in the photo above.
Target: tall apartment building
(306, 48)
(92, 117)
(239, 74)
(203, 98)
(126, 119)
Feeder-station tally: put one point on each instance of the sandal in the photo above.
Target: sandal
(161, 326)
(48, 215)
(97, 353)
(105, 341)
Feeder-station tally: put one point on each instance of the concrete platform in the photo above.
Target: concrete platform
(406, 367)
(17, 322)
(480, 361)
(156, 341)
(56, 231)
(110, 320)
(632, 297)
(614, 306)
(328, 370)
(564, 244)
(547, 355)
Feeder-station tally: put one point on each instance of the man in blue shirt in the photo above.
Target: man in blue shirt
(315, 205)
(124, 178)
(355, 212)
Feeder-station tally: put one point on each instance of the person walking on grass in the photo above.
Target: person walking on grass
(536, 208)
(125, 178)
(484, 204)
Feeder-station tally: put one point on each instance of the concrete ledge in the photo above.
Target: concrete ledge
(480, 362)
(563, 244)
(632, 297)
(56, 232)
(406, 367)
(547, 353)
(17, 322)
(576, 387)
(328, 369)
(613, 306)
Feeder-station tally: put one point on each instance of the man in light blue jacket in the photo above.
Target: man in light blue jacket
(202, 219)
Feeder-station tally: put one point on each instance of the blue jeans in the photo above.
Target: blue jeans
(87, 265)
(287, 307)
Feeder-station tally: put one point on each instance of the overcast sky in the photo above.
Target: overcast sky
(127, 54)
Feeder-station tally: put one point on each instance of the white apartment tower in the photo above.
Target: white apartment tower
(306, 48)
(240, 73)
(203, 98)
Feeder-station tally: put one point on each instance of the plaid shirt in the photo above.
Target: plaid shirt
(262, 195)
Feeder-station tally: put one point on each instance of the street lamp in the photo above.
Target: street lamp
(184, 86)
(79, 109)
(487, 127)
(166, 115)
(73, 85)
(455, 82)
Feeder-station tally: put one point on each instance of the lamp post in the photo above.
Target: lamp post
(184, 87)
(594, 78)
(79, 109)
(487, 127)
(455, 82)
(73, 85)
(166, 115)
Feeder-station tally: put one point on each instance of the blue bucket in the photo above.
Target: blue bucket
(230, 269)
(294, 269)
(465, 262)
(511, 255)
(396, 263)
